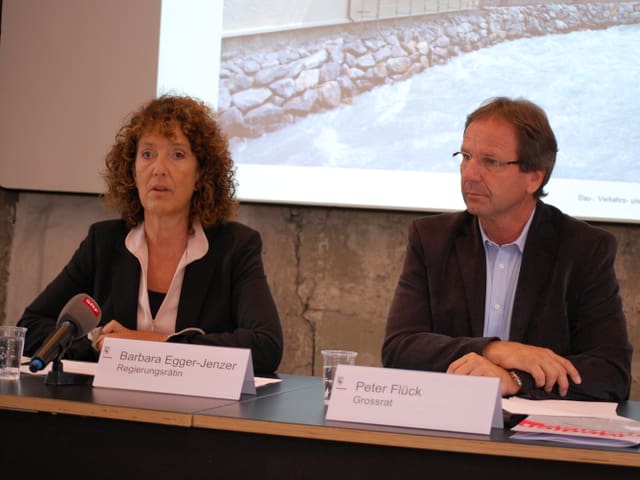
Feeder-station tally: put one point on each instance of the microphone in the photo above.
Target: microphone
(78, 317)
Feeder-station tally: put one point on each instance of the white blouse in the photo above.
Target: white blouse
(165, 320)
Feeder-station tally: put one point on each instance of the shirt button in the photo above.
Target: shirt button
(496, 306)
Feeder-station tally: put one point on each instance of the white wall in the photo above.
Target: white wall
(72, 70)
(69, 71)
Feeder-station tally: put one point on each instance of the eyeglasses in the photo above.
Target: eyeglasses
(488, 164)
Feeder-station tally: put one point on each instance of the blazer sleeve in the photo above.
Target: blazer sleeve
(587, 324)
(40, 316)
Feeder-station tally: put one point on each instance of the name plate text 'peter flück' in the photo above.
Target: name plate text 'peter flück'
(415, 399)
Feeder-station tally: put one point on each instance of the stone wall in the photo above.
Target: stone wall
(269, 81)
(332, 271)
(7, 221)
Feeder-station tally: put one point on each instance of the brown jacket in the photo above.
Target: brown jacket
(566, 299)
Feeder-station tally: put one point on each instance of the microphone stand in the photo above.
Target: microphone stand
(59, 377)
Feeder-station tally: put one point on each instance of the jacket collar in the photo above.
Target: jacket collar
(537, 262)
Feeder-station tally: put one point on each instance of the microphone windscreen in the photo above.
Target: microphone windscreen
(83, 312)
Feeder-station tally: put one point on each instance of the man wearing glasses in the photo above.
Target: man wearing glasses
(512, 287)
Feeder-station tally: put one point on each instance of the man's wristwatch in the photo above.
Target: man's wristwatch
(516, 378)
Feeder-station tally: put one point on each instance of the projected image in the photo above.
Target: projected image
(583, 80)
(392, 97)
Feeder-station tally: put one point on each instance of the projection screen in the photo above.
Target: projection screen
(329, 102)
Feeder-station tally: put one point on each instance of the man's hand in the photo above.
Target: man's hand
(477, 365)
(546, 367)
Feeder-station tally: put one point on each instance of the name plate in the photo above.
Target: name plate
(178, 368)
(415, 399)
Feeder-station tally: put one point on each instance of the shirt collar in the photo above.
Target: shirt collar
(518, 242)
(197, 244)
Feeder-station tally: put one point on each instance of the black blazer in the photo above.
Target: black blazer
(566, 300)
(225, 293)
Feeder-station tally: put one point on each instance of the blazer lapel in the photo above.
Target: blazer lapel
(125, 286)
(472, 263)
(196, 282)
(535, 271)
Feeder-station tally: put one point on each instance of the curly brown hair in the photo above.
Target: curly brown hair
(213, 200)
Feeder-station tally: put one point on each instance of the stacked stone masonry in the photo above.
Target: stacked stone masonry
(272, 80)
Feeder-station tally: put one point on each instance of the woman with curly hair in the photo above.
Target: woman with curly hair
(175, 267)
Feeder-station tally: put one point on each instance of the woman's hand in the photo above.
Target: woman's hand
(116, 330)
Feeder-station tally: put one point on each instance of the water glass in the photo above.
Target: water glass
(11, 348)
(330, 361)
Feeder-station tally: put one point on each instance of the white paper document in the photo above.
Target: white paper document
(68, 366)
(565, 408)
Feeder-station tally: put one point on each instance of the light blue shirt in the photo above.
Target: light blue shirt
(503, 269)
